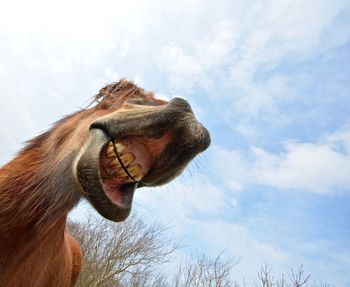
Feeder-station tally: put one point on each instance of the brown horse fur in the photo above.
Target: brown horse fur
(37, 192)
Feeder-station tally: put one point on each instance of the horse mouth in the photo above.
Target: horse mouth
(109, 171)
(123, 164)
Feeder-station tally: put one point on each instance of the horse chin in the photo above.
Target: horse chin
(113, 203)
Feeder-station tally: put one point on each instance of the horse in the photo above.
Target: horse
(124, 140)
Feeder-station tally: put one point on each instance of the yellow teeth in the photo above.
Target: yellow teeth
(127, 158)
(138, 178)
(120, 147)
(116, 166)
(120, 174)
(114, 163)
(134, 170)
(110, 151)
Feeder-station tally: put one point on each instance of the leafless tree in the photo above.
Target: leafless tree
(296, 278)
(122, 254)
(265, 276)
(200, 271)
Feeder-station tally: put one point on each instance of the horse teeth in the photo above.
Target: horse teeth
(120, 147)
(138, 177)
(110, 151)
(120, 175)
(114, 163)
(134, 170)
(121, 171)
(127, 158)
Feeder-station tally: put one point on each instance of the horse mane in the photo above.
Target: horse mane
(30, 193)
(113, 94)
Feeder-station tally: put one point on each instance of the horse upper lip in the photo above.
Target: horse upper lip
(152, 121)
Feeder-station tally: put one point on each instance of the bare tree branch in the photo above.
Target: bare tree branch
(118, 254)
(198, 271)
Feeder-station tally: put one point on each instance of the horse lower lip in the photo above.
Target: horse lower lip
(129, 187)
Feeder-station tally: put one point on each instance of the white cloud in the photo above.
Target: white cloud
(315, 167)
(186, 69)
(284, 28)
(247, 130)
(218, 44)
(322, 166)
(259, 100)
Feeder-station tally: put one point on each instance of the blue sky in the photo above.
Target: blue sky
(271, 81)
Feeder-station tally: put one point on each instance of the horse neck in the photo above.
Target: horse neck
(26, 255)
(34, 195)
